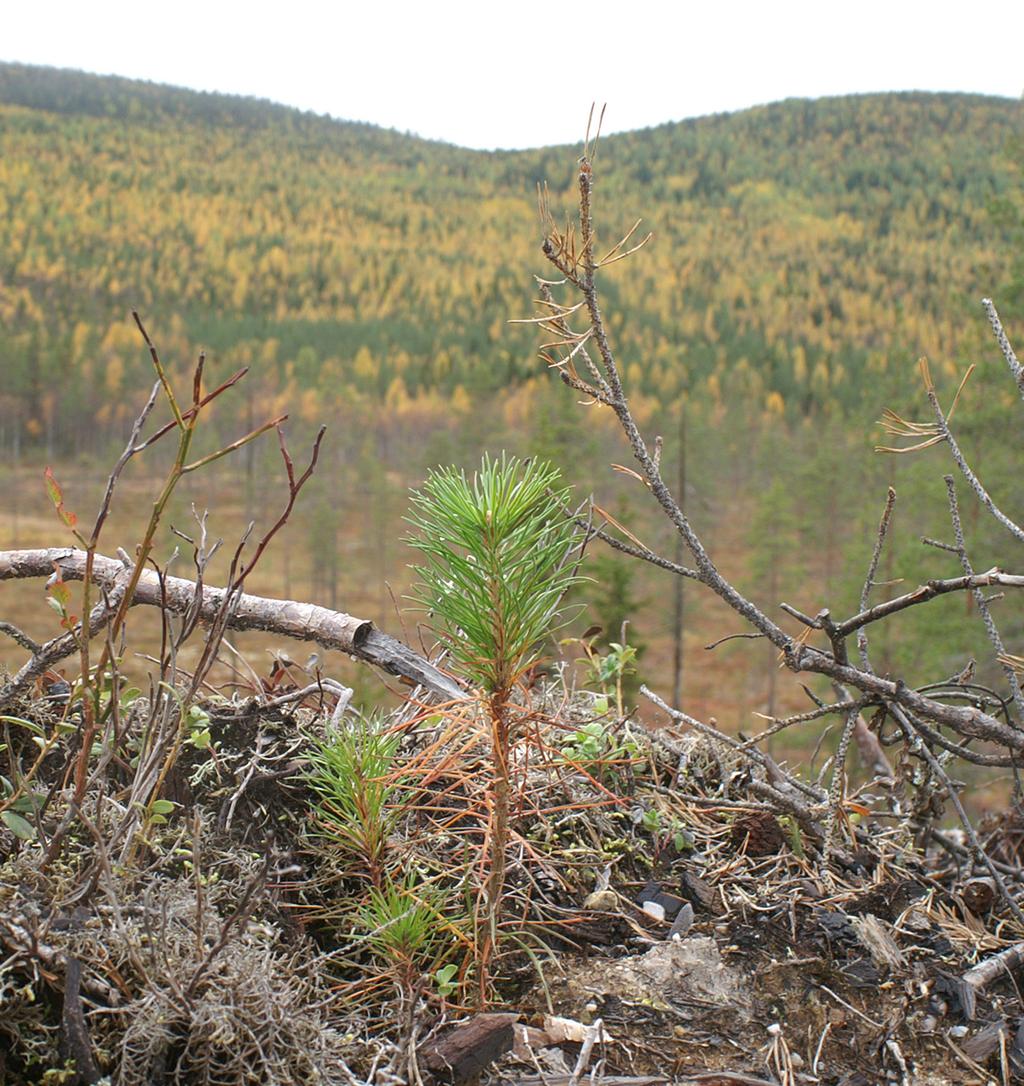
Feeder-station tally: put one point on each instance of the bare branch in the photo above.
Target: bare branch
(639, 551)
(967, 720)
(131, 449)
(973, 481)
(20, 636)
(869, 580)
(707, 572)
(982, 604)
(1004, 344)
(921, 748)
(733, 637)
(777, 777)
(928, 591)
(838, 787)
(289, 618)
(58, 648)
(922, 713)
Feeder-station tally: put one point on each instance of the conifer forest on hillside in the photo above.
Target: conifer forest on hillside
(805, 255)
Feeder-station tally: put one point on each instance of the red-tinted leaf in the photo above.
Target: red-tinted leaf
(61, 593)
(53, 488)
(57, 497)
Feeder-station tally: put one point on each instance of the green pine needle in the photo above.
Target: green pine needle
(352, 772)
(497, 563)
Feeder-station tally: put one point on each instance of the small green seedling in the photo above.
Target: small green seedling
(664, 831)
(158, 810)
(595, 748)
(444, 980)
(607, 671)
(198, 723)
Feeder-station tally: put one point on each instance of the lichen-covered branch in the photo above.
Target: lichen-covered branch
(288, 618)
(1016, 369)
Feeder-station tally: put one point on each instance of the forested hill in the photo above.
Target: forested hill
(802, 251)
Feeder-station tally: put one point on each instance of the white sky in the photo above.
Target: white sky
(524, 74)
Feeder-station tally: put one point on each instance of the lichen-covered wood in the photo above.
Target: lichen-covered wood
(289, 618)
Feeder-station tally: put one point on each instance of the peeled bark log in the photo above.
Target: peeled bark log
(288, 618)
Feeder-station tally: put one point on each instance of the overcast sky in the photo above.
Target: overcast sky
(523, 74)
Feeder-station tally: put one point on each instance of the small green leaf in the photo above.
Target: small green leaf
(683, 841)
(161, 807)
(32, 727)
(53, 488)
(200, 740)
(197, 717)
(443, 979)
(29, 803)
(18, 826)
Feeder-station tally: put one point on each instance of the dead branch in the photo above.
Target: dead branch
(1016, 369)
(288, 618)
(869, 580)
(915, 743)
(980, 601)
(577, 264)
(21, 939)
(987, 971)
(780, 789)
(928, 591)
(967, 720)
(943, 428)
(20, 636)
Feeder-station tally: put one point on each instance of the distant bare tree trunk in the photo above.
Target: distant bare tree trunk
(679, 554)
(249, 453)
(773, 652)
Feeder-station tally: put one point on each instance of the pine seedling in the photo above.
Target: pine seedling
(497, 553)
(352, 772)
(405, 923)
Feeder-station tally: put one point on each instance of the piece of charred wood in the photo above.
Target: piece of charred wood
(758, 834)
(700, 893)
(979, 895)
(986, 1042)
(597, 930)
(994, 1037)
(467, 1050)
(654, 892)
(75, 1043)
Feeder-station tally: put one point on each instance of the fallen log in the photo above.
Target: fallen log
(287, 618)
